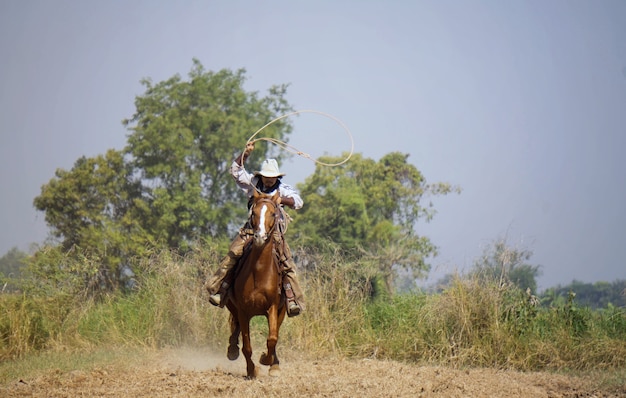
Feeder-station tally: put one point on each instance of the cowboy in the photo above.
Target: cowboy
(267, 180)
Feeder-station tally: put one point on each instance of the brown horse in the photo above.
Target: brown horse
(257, 286)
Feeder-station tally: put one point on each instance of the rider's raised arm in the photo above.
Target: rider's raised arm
(238, 171)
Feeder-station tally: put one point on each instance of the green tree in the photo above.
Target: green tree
(96, 208)
(170, 185)
(11, 267)
(594, 295)
(503, 264)
(183, 138)
(371, 210)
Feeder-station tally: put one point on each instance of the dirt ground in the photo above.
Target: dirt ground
(201, 373)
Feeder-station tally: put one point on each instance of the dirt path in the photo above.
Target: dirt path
(198, 373)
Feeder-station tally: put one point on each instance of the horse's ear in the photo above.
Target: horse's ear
(256, 193)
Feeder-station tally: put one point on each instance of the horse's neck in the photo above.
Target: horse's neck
(263, 255)
(259, 269)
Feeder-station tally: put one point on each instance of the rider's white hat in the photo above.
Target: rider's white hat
(269, 168)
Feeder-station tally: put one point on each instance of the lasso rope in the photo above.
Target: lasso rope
(296, 151)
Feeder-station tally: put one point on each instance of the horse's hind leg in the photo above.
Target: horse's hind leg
(233, 341)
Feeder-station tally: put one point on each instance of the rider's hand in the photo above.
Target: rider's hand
(249, 148)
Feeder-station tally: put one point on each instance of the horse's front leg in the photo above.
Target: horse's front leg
(270, 358)
(247, 347)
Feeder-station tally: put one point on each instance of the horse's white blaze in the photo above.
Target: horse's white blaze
(262, 231)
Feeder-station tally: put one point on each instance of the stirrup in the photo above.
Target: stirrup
(293, 309)
(215, 299)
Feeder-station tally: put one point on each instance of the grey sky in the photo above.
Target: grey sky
(521, 103)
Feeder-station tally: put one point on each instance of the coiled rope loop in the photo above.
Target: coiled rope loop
(296, 151)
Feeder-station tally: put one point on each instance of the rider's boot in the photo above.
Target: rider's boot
(293, 309)
(293, 292)
(218, 282)
(216, 299)
(291, 286)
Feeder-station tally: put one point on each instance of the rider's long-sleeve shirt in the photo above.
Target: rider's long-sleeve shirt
(247, 182)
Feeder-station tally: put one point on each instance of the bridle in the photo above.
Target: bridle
(276, 212)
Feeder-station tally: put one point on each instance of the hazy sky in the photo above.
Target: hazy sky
(521, 103)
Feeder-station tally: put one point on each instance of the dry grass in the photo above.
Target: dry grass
(471, 324)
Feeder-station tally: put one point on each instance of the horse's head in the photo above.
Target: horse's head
(263, 215)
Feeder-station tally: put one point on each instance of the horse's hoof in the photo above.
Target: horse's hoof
(265, 359)
(274, 371)
(233, 352)
(253, 375)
